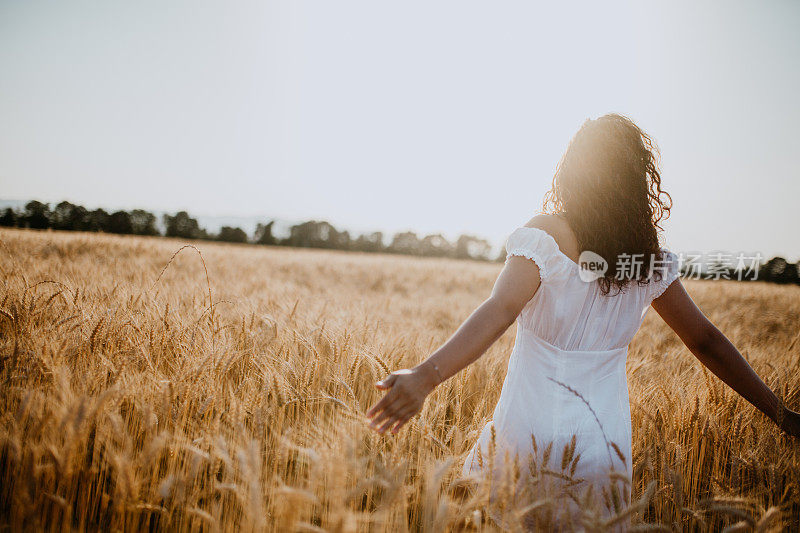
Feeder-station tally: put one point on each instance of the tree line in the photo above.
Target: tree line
(67, 216)
(311, 234)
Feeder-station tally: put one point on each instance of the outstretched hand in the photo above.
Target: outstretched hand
(790, 423)
(408, 389)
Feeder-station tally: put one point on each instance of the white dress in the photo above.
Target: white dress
(566, 376)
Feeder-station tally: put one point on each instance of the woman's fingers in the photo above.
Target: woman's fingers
(389, 423)
(387, 382)
(398, 418)
(377, 407)
(406, 416)
(390, 412)
(382, 404)
(397, 406)
(382, 416)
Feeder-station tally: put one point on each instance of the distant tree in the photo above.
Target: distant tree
(61, 217)
(229, 234)
(369, 242)
(779, 270)
(340, 240)
(263, 234)
(143, 222)
(471, 247)
(317, 234)
(183, 226)
(79, 218)
(97, 220)
(119, 222)
(36, 215)
(436, 246)
(501, 256)
(67, 216)
(405, 242)
(9, 218)
(792, 273)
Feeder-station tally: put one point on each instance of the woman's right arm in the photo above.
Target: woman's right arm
(407, 389)
(719, 355)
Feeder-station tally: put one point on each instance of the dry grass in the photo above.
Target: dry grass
(131, 403)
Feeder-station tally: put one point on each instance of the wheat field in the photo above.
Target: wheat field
(224, 388)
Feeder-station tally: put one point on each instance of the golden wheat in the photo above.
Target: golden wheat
(224, 388)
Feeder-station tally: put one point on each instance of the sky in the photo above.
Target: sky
(435, 116)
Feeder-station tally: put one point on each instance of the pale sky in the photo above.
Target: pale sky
(431, 116)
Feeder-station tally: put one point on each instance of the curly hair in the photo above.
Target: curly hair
(608, 188)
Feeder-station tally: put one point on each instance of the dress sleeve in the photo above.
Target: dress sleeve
(666, 269)
(535, 244)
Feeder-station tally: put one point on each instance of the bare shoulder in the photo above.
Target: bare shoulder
(558, 228)
(547, 222)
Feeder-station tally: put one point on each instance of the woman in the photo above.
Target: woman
(566, 374)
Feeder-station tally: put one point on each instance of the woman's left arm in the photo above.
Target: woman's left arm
(718, 354)
(408, 388)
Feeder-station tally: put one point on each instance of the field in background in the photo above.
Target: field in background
(231, 394)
